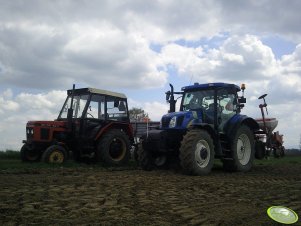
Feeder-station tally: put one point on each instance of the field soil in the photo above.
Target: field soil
(93, 195)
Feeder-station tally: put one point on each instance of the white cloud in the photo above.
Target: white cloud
(16, 111)
(106, 44)
(154, 109)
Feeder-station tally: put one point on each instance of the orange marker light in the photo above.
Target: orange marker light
(243, 86)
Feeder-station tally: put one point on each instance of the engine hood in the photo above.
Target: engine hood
(179, 120)
(47, 123)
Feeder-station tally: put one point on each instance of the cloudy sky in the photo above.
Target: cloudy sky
(139, 47)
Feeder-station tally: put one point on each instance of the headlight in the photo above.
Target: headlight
(173, 122)
(29, 131)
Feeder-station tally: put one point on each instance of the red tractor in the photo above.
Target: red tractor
(92, 124)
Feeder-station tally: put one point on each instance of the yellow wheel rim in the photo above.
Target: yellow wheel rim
(56, 157)
(120, 153)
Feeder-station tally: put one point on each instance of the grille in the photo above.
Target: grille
(165, 121)
(180, 120)
(44, 134)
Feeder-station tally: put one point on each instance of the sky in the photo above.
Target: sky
(139, 47)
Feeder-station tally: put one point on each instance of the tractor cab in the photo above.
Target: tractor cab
(213, 104)
(89, 103)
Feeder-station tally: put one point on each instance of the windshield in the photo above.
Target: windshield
(198, 99)
(79, 103)
(111, 108)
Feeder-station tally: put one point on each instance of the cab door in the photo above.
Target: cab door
(226, 106)
(94, 117)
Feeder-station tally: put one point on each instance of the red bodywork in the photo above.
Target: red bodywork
(42, 128)
(46, 131)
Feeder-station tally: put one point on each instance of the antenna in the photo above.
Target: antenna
(191, 79)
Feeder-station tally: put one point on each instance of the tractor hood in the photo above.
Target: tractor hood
(55, 124)
(180, 120)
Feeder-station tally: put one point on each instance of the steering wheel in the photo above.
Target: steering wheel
(263, 96)
(90, 114)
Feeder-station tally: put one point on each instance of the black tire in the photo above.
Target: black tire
(278, 152)
(55, 154)
(282, 153)
(242, 151)
(145, 159)
(259, 150)
(29, 154)
(114, 148)
(197, 152)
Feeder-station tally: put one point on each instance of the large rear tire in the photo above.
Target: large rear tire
(29, 154)
(197, 152)
(55, 154)
(242, 151)
(114, 148)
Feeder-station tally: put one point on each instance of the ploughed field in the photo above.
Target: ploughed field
(79, 194)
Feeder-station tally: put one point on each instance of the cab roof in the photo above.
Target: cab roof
(210, 86)
(96, 91)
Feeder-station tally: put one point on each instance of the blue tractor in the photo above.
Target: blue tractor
(208, 126)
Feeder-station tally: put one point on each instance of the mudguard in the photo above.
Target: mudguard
(236, 121)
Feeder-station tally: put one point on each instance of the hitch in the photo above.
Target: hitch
(261, 106)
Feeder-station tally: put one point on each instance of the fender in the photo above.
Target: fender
(128, 129)
(236, 121)
(198, 124)
(210, 129)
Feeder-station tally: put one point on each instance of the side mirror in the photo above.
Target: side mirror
(167, 96)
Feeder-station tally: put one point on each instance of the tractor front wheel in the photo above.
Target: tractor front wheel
(242, 151)
(145, 158)
(29, 154)
(114, 148)
(197, 152)
(54, 154)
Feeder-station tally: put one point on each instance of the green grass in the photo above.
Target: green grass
(9, 154)
(10, 161)
(279, 161)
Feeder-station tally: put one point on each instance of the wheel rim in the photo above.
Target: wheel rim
(160, 160)
(56, 157)
(243, 149)
(202, 153)
(117, 149)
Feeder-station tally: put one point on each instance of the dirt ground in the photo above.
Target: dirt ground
(99, 196)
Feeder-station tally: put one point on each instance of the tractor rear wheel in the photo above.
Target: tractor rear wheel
(242, 151)
(55, 154)
(197, 152)
(282, 152)
(29, 155)
(114, 148)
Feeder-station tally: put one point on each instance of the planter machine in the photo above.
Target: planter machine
(268, 141)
